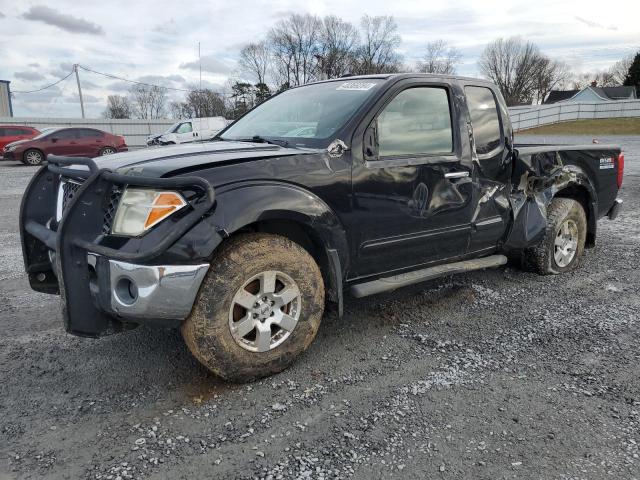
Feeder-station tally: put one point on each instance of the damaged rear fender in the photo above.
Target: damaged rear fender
(538, 179)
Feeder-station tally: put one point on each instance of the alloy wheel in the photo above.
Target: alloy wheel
(566, 243)
(265, 311)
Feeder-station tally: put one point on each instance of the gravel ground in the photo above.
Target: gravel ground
(496, 374)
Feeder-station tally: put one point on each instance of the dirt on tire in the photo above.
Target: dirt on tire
(206, 331)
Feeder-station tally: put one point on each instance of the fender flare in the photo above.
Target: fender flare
(242, 204)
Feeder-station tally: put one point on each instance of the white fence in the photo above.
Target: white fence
(135, 132)
(531, 116)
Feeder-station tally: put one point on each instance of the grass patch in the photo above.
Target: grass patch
(598, 126)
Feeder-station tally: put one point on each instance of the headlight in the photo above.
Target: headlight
(140, 209)
(10, 148)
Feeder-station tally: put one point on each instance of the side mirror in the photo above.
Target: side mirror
(54, 140)
(370, 144)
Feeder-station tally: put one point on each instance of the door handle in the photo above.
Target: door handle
(456, 174)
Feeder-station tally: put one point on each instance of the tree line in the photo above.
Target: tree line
(302, 48)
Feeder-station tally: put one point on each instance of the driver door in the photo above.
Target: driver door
(184, 132)
(412, 186)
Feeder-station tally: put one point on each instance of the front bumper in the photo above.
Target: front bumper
(104, 289)
(147, 292)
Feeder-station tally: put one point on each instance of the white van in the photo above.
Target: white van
(190, 130)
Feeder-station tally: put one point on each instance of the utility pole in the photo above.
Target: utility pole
(200, 62)
(75, 68)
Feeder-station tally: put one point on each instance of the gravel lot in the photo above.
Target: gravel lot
(497, 374)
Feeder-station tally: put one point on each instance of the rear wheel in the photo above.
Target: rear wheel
(563, 244)
(107, 151)
(259, 307)
(33, 157)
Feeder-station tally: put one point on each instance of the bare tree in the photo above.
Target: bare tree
(179, 110)
(149, 102)
(603, 78)
(255, 59)
(338, 47)
(440, 57)
(205, 103)
(117, 107)
(294, 42)
(620, 69)
(515, 67)
(380, 39)
(552, 75)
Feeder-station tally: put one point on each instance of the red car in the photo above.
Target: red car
(73, 142)
(13, 133)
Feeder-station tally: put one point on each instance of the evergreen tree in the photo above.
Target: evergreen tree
(633, 76)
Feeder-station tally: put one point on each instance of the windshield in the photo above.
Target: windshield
(172, 128)
(304, 114)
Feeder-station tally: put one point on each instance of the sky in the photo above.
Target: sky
(157, 41)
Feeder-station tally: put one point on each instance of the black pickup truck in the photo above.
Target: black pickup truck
(360, 185)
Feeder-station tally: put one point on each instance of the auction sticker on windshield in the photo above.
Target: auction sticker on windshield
(356, 86)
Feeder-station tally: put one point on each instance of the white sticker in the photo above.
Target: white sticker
(356, 86)
(606, 163)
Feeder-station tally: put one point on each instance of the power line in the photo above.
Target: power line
(44, 88)
(116, 77)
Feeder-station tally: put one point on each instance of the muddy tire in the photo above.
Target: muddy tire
(563, 244)
(259, 307)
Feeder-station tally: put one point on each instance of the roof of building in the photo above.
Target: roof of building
(606, 93)
(560, 95)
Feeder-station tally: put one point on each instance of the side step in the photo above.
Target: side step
(402, 280)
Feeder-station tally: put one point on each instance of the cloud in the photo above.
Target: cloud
(2, 15)
(161, 80)
(591, 24)
(34, 65)
(209, 64)
(167, 28)
(69, 23)
(30, 76)
(62, 70)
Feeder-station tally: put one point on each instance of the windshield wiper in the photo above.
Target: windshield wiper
(259, 139)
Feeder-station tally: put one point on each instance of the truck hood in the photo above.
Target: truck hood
(162, 161)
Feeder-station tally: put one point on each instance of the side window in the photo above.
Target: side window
(63, 134)
(88, 133)
(416, 121)
(184, 128)
(3, 132)
(484, 118)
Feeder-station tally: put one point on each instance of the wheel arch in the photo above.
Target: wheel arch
(290, 211)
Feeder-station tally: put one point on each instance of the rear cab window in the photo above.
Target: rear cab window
(483, 108)
(416, 122)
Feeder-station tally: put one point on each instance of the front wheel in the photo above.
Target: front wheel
(563, 244)
(259, 307)
(33, 157)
